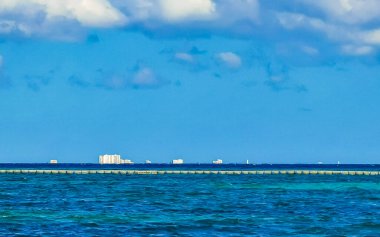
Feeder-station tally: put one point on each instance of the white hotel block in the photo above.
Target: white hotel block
(217, 162)
(113, 159)
(177, 162)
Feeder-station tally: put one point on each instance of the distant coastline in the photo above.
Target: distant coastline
(190, 166)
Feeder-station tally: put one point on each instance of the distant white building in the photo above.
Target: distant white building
(113, 159)
(53, 162)
(148, 162)
(217, 162)
(177, 162)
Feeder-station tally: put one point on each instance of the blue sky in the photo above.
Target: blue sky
(270, 81)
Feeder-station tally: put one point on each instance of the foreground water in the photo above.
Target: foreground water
(189, 205)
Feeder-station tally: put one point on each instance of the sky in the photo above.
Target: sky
(290, 81)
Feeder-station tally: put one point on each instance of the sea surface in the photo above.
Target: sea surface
(188, 205)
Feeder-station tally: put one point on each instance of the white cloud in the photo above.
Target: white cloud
(174, 10)
(184, 57)
(212, 13)
(351, 23)
(370, 36)
(47, 17)
(140, 77)
(238, 10)
(336, 32)
(91, 13)
(357, 50)
(58, 18)
(230, 59)
(348, 11)
(344, 22)
(138, 10)
(297, 20)
(144, 77)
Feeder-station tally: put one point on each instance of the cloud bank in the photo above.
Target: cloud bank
(66, 20)
(56, 18)
(353, 26)
(306, 29)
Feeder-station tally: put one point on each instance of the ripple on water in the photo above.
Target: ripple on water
(189, 205)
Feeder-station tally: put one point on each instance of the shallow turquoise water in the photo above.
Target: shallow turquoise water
(189, 205)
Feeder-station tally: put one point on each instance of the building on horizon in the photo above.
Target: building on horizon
(148, 162)
(177, 161)
(53, 161)
(217, 162)
(113, 159)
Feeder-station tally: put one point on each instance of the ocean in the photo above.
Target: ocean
(189, 205)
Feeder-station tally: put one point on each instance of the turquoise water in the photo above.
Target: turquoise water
(189, 205)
